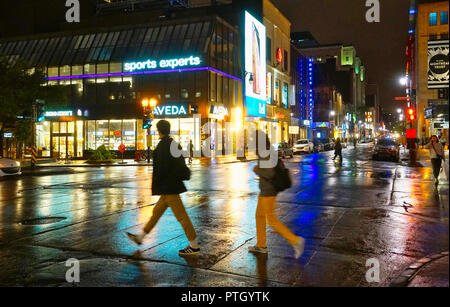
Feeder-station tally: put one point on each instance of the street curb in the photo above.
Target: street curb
(407, 275)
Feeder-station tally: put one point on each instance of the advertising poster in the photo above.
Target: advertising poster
(438, 64)
(255, 66)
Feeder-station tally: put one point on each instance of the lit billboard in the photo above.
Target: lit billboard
(255, 67)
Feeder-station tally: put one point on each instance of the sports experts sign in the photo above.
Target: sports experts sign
(191, 61)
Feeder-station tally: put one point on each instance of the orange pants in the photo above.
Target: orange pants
(265, 211)
(175, 203)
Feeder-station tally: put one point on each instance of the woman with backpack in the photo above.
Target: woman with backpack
(265, 210)
(436, 155)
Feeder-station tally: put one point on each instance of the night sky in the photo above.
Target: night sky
(380, 45)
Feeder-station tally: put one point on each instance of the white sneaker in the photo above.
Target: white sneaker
(299, 248)
(136, 239)
(257, 249)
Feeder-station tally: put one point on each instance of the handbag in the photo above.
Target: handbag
(438, 155)
(445, 168)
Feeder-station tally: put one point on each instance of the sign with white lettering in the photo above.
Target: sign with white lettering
(150, 64)
(438, 64)
(58, 113)
(171, 110)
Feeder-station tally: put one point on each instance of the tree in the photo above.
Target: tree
(21, 85)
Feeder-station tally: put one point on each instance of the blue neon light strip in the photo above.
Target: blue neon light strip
(144, 73)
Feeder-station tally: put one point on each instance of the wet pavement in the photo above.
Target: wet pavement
(348, 214)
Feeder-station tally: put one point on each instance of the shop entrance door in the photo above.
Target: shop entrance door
(63, 140)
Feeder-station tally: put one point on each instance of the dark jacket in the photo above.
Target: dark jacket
(266, 178)
(338, 147)
(165, 179)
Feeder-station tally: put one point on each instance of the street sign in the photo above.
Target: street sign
(122, 148)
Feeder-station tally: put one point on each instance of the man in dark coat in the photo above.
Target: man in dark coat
(167, 181)
(338, 150)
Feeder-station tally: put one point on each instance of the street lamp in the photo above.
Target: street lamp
(148, 105)
(403, 81)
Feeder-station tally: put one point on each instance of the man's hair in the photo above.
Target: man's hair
(163, 127)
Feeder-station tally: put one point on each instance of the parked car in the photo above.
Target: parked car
(303, 145)
(9, 167)
(386, 148)
(328, 144)
(284, 150)
(318, 146)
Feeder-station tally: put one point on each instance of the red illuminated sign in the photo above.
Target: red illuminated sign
(411, 133)
(279, 55)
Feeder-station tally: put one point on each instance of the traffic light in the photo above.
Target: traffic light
(411, 114)
(39, 111)
(147, 122)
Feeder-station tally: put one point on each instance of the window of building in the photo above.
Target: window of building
(433, 19)
(77, 70)
(286, 60)
(269, 50)
(444, 18)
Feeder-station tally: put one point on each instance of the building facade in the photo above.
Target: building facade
(432, 69)
(191, 67)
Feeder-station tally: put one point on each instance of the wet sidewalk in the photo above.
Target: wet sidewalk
(433, 274)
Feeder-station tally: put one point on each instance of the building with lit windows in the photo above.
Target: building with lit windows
(432, 69)
(190, 66)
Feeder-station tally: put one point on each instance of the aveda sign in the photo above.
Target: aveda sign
(174, 63)
(180, 110)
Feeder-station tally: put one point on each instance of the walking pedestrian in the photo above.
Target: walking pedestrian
(338, 150)
(265, 211)
(436, 155)
(167, 181)
(191, 151)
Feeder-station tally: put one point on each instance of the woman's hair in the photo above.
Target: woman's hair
(434, 135)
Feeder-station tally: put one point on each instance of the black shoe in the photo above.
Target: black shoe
(188, 251)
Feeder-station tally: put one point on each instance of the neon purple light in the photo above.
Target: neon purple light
(143, 73)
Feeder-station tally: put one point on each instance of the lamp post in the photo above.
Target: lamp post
(148, 106)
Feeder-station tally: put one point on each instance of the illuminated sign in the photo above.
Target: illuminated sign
(269, 87)
(294, 130)
(7, 134)
(219, 111)
(438, 64)
(279, 55)
(255, 67)
(169, 63)
(58, 113)
(178, 110)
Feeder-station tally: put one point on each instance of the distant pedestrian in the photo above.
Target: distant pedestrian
(168, 175)
(338, 149)
(436, 155)
(191, 151)
(265, 211)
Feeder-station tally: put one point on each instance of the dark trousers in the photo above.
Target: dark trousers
(436, 163)
(337, 153)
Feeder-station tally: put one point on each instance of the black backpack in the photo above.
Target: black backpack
(282, 179)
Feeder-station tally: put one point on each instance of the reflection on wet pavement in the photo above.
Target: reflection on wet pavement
(347, 212)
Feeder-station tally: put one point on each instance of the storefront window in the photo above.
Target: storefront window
(55, 127)
(70, 127)
(43, 138)
(141, 136)
(53, 71)
(129, 134)
(89, 69)
(115, 134)
(79, 139)
(77, 70)
(102, 68)
(115, 67)
(91, 134)
(101, 133)
(63, 127)
(64, 70)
